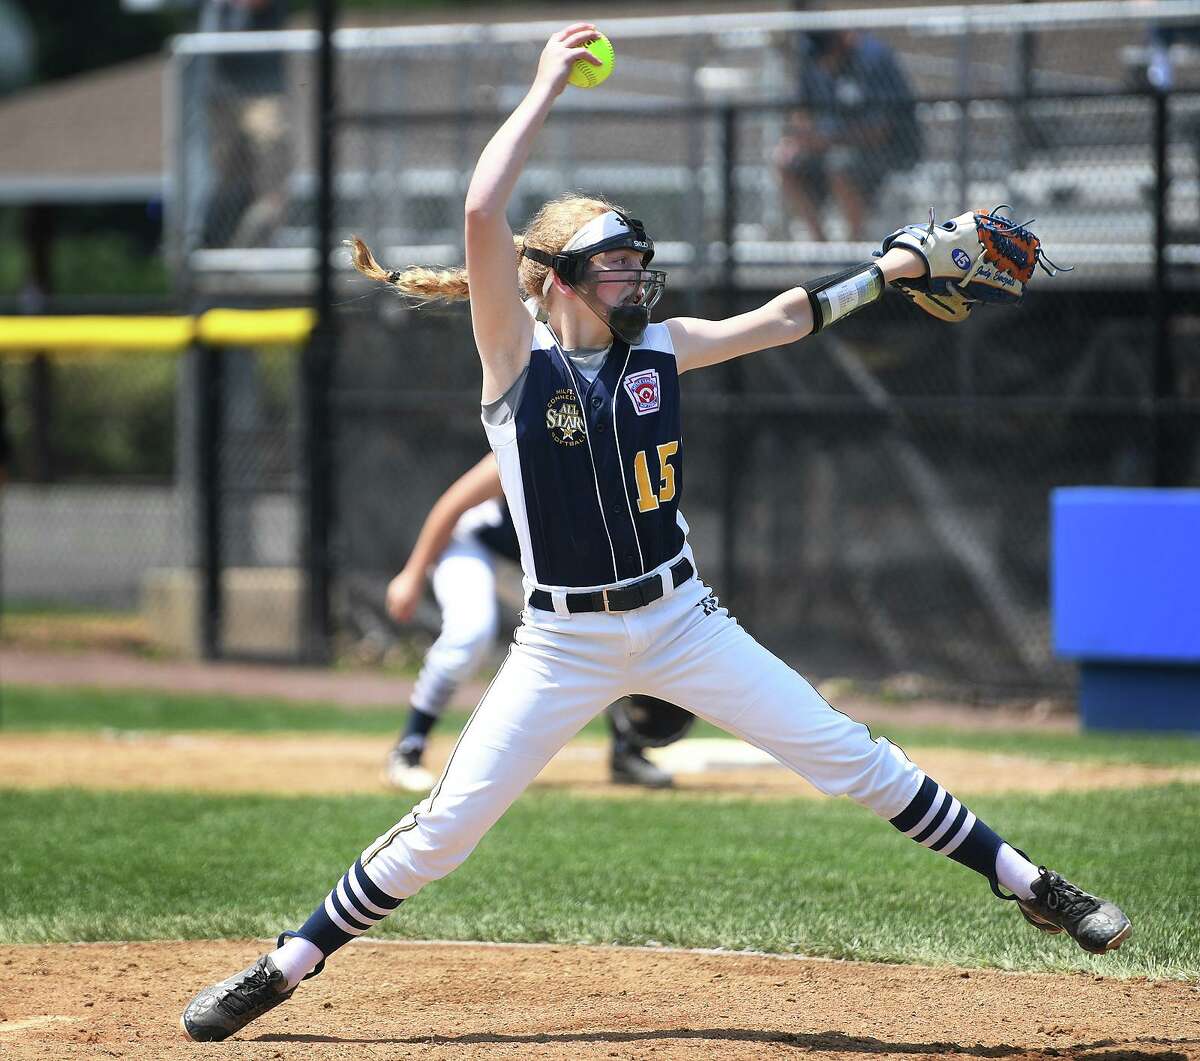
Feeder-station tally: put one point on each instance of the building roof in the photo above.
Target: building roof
(93, 138)
(99, 137)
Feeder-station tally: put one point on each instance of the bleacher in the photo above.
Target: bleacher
(1060, 129)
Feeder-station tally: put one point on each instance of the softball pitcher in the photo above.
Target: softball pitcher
(466, 531)
(581, 407)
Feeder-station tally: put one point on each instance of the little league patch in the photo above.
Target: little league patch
(643, 389)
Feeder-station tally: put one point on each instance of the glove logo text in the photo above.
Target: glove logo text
(961, 258)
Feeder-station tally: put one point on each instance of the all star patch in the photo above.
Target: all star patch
(563, 419)
(643, 389)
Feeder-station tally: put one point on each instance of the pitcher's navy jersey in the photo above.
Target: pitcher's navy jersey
(593, 471)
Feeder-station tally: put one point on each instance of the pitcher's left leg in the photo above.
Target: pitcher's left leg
(718, 671)
(545, 691)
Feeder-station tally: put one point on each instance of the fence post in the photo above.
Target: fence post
(39, 239)
(1161, 457)
(316, 365)
(734, 379)
(209, 382)
(963, 158)
(41, 404)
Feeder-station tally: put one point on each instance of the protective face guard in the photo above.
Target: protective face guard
(627, 320)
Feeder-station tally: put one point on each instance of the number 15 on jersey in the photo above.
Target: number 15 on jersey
(648, 499)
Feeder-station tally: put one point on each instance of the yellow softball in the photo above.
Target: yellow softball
(584, 74)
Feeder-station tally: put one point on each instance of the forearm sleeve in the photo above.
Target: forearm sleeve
(837, 296)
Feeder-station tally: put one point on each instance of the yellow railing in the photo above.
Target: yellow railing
(216, 327)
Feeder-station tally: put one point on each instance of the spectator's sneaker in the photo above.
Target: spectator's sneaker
(219, 1011)
(630, 767)
(403, 770)
(1058, 906)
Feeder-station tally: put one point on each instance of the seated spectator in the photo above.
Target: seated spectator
(856, 125)
(246, 169)
(1160, 70)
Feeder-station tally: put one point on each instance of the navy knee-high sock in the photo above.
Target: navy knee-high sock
(938, 821)
(355, 905)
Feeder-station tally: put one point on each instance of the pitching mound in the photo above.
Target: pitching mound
(465, 1001)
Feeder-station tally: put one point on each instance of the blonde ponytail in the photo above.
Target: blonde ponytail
(427, 285)
(549, 230)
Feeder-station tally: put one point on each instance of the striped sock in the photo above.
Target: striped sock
(936, 820)
(355, 905)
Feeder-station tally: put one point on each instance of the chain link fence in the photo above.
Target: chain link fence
(871, 502)
(1044, 106)
(119, 461)
(89, 504)
(874, 501)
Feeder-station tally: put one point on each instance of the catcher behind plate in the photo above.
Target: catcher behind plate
(649, 722)
(975, 257)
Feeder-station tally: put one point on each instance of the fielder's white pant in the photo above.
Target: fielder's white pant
(563, 670)
(464, 583)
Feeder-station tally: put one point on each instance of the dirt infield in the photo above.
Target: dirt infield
(344, 764)
(467, 1001)
(333, 764)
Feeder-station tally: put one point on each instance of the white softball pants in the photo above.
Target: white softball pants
(464, 583)
(563, 670)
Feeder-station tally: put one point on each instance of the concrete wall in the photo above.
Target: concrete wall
(95, 545)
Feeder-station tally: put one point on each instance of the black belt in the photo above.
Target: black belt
(623, 599)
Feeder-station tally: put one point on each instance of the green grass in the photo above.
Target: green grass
(1150, 749)
(57, 609)
(46, 708)
(38, 708)
(812, 877)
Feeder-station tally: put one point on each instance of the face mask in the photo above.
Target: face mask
(629, 318)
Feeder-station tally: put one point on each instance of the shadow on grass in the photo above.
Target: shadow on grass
(830, 1041)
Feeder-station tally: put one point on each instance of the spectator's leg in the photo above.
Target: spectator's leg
(854, 179)
(230, 159)
(803, 186)
(851, 202)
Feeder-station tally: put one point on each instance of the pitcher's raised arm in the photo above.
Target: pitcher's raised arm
(501, 324)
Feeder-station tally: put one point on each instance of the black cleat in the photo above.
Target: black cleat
(219, 1011)
(1058, 906)
(630, 767)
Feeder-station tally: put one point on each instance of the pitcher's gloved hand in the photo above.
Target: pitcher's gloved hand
(972, 258)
